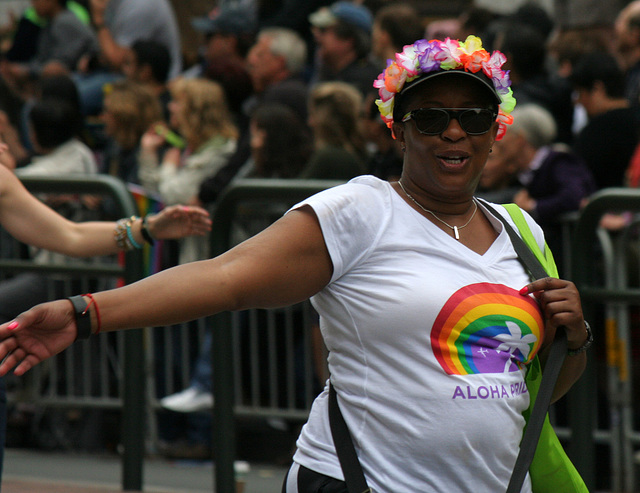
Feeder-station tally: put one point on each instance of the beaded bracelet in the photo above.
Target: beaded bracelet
(120, 235)
(130, 235)
(123, 236)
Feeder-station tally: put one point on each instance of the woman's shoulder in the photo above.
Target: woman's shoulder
(363, 196)
(353, 217)
(514, 216)
(364, 186)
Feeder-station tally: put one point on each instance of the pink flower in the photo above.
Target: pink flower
(408, 60)
(449, 56)
(494, 64)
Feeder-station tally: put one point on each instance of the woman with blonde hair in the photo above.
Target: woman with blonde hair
(207, 139)
(339, 145)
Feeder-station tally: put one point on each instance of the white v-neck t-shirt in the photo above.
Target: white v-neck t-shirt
(427, 341)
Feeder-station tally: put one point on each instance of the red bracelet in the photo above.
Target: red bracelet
(94, 302)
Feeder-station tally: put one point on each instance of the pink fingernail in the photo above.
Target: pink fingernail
(13, 325)
(524, 290)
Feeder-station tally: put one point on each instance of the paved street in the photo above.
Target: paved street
(29, 471)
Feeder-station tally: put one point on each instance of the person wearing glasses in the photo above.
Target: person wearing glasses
(415, 283)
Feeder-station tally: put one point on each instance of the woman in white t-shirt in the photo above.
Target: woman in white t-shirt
(428, 315)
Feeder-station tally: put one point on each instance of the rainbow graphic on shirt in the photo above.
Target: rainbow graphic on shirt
(486, 328)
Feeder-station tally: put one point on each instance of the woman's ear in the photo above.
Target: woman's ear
(397, 131)
(494, 133)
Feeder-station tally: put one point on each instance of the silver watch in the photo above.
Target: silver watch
(587, 344)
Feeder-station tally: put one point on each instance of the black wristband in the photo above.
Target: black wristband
(145, 232)
(83, 317)
(587, 344)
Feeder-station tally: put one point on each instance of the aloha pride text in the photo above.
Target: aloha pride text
(490, 391)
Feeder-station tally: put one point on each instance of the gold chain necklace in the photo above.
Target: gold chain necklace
(455, 229)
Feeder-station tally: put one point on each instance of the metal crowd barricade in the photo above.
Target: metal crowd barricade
(264, 195)
(90, 374)
(605, 267)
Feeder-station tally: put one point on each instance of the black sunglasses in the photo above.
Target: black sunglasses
(434, 121)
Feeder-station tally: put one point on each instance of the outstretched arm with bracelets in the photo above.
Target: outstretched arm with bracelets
(30, 221)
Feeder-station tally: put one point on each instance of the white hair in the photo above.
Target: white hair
(535, 124)
(288, 44)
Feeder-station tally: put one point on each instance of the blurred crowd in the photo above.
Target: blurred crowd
(283, 89)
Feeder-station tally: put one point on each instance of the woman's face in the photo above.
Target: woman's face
(446, 167)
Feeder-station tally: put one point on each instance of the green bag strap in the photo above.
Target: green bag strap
(546, 257)
(551, 469)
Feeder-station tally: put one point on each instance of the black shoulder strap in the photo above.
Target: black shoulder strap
(552, 367)
(351, 468)
(538, 414)
(525, 255)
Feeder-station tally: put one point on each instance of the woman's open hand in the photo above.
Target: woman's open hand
(178, 221)
(35, 335)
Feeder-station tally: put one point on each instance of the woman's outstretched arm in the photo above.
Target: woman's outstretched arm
(285, 264)
(29, 220)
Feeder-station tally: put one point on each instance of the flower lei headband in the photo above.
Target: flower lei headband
(425, 56)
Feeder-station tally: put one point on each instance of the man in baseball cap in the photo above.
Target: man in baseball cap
(342, 33)
(346, 12)
(228, 34)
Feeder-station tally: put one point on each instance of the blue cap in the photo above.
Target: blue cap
(230, 20)
(347, 12)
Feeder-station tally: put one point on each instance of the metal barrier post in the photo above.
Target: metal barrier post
(133, 411)
(582, 409)
(289, 191)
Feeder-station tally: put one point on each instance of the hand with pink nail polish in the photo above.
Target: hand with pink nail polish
(561, 306)
(35, 335)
